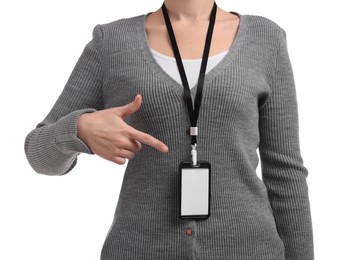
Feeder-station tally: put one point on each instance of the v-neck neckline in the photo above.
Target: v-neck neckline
(148, 55)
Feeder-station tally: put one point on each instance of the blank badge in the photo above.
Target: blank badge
(195, 190)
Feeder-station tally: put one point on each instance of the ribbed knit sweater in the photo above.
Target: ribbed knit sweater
(249, 101)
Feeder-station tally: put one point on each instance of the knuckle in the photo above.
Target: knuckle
(119, 160)
(131, 156)
(121, 142)
(128, 154)
(129, 131)
(113, 151)
(111, 157)
(147, 138)
(132, 107)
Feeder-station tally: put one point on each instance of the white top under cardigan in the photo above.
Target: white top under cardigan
(191, 66)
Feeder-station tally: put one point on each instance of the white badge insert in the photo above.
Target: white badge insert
(195, 191)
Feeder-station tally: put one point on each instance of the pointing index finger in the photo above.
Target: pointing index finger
(149, 140)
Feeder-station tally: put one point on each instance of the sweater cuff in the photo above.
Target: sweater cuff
(65, 134)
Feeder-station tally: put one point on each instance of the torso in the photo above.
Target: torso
(190, 38)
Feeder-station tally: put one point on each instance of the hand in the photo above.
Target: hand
(108, 136)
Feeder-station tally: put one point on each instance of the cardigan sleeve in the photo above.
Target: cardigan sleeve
(283, 171)
(53, 146)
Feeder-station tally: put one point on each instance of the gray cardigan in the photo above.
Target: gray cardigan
(249, 102)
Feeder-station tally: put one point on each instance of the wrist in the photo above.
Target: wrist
(81, 127)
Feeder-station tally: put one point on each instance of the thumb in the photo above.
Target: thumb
(130, 108)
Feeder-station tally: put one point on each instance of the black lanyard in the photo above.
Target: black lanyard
(187, 94)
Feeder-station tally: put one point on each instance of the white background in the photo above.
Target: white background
(68, 217)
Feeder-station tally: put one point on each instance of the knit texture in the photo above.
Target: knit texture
(249, 102)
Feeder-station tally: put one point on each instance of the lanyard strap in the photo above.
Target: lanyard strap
(187, 94)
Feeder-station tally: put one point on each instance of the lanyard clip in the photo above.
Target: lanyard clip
(193, 130)
(194, 154)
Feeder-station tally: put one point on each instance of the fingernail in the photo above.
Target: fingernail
(165, 149)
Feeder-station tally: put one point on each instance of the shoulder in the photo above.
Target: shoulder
(123, 25)
(262, 30)
(262, 23)
(263, 27)
(118, 34)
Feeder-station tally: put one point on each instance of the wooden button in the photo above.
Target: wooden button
(189, 231)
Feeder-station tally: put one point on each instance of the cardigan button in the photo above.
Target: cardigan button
(189, 231)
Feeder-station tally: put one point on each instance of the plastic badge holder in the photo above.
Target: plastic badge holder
(195, 190)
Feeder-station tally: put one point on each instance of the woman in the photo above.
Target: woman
(246, 100)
